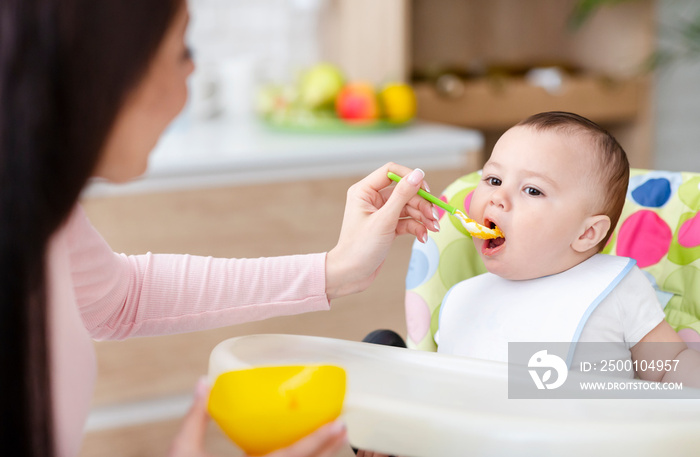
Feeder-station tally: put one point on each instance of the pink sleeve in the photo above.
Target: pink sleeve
(123, 296)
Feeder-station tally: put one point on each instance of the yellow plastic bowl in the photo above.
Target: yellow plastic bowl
(268, 408)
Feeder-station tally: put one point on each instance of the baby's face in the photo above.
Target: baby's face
(537, 188)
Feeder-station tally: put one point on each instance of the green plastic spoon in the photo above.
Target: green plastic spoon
(473, 227)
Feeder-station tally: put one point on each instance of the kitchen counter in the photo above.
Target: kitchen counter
(224, 153)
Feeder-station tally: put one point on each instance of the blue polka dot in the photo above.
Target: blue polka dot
(655, 188)
(424, 262)
(654, 193)
(417, 269)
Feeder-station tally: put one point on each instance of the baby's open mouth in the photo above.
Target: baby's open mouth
(493, 243)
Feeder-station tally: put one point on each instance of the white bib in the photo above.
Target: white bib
(481, 315)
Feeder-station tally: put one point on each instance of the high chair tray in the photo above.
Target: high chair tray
(422, 404)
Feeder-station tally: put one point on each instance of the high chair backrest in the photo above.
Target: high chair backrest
(659, 228)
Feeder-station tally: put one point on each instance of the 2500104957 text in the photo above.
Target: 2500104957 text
(638, 365)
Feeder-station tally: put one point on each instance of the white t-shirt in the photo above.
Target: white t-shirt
(624, 317)
(627, 314)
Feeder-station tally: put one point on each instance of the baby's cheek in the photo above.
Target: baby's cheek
(533, 242)
(474, 204)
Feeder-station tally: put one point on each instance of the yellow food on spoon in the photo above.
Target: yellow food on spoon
(476, 229)
(473, 227)
(268, 408)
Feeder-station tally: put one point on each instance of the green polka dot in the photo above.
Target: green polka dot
(470, 180)
(459, 260)
(689, 193)
(457, 200)
(434, 323)
(684, 308)
(608, 249)
(678, 254)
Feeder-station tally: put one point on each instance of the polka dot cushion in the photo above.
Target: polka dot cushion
(659, 227)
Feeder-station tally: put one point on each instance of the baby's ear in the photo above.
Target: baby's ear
(594, 230)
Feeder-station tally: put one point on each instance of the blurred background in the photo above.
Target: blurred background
(292, 101)
(467, 60)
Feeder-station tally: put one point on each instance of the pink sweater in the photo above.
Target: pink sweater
(95, 293)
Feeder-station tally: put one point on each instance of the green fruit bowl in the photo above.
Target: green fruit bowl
(330, 125)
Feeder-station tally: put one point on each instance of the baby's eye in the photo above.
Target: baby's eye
(493, 181)
(533, 192)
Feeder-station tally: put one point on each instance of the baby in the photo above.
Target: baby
(555, 184)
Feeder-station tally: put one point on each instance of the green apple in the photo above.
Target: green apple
(319, 86)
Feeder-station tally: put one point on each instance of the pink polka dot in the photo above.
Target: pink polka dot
(645, 237)
(689, 232)
(441, 211)
(691, 337)
(417, 317)
(468, 201)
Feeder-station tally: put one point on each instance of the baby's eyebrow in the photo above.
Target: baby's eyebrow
(492, 164)
(534, 174)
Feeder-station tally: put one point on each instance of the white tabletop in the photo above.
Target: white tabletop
(224, 152)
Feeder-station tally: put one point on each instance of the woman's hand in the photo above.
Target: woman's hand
(375, 214)
(362, 453)
(189, 442)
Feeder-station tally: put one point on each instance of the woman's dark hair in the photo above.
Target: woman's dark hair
(66, 67)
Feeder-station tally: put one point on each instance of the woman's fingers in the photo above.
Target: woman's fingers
(405, 190)
(417, 202)
(324, 442)
(429, 222)
(379, 179)
(413, 227)
(375, 212)
(189, 441)
(362, 453)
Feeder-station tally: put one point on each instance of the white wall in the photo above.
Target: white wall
(677, 99)
(240, 43)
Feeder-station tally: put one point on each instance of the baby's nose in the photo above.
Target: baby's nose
(500, 199)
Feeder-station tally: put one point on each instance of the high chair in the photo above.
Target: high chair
(659, 228)
(422, 404)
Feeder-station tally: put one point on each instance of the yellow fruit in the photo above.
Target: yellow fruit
(268, 408)
(398, 102)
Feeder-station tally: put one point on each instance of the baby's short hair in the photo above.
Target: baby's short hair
(613, 167)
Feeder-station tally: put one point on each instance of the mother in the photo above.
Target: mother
(86, 89)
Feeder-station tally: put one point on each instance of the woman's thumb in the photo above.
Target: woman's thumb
(194, 424)
(404, 191)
